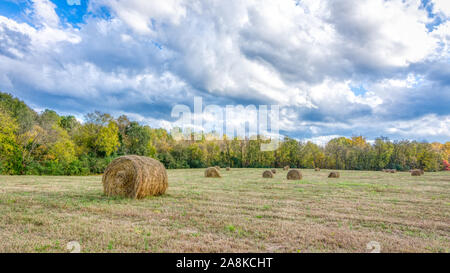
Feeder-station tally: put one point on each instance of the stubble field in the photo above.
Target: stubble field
(240, 212)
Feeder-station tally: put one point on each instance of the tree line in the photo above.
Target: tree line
(49, 144)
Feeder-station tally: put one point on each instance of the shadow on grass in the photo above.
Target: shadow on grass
(80, 198)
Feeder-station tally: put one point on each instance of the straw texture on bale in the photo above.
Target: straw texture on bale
(416, 173)
(217, 167)
(294, 175)
(135, 177)
(334, 175)
(267, 174)
(286, 168)
(274, 171)
(317, 169)
(212, 172)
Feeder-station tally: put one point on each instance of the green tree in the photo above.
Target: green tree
(337, 152)
(383, 152)
(138, 140)
(98, 136)
(23, 115)
(69, 123)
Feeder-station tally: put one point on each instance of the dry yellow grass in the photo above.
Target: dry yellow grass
(242, 212)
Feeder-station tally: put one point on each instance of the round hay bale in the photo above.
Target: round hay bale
(334, 175)
(317, 169)
(274, 171)
(392, 171)
(217, 167)
(267, 174)
(212, 172)
(228, 169)
(294, 175)
(421, 172)
(135, 177)
(416, 173)
(286, 168)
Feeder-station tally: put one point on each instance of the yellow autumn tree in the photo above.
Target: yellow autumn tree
(63, 149)
(446, 151)
(108, 138)
(359, 141)
(9, 150)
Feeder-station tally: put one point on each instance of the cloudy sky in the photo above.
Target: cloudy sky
(335, 67)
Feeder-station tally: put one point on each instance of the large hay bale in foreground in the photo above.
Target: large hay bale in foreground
(317, 169)
(334, 175)
(286, 168)
(212, 172)
(135, 177)
(294, 175)
(416, 173)
(267, 174)
(274, 171)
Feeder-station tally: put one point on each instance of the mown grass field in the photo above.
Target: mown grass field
(240, 212)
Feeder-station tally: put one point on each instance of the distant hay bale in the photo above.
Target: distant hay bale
(135, 177)
(392, 171)
(267, 174)
(416, 173)
(294, 175)
(228, 168)
(420, 170)
(212, 172)
(317, 169)
(334, 175)
(286, 168)
(274, 171)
